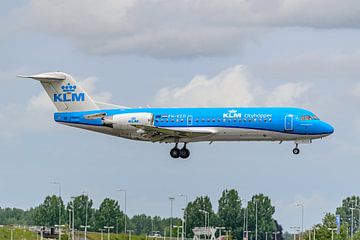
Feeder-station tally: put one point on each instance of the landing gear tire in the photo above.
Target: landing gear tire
(184, 153)
(296, 151)
(175, 152)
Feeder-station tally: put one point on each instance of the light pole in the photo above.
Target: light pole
(332, 232)
(275, 235)
(73, 218)
(108, 229)
(85, 228)
(59, 226)
(70, 212)
(102, 233)
(352, 222)
(12, 233)
(130, 231)
(296, 229)
(220, 228)
(185, 213)
(86, 214)
(315, 228)
(177, 227)
(309, 231)
(244, 223)
(171, 214)
(125, 216)
(302, 218)
(206, 213)
(256, 219)
(59, 185)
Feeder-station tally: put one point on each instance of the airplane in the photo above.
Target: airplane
(76, 108)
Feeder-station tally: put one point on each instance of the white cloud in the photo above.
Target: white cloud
(37, 114)
(287, 94)
(178, 28)
(232, 87)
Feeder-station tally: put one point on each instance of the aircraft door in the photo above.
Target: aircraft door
(289, 123)
(189, 120)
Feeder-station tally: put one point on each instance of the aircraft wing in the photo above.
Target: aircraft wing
(160, 134)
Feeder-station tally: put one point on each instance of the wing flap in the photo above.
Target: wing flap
(160, 133)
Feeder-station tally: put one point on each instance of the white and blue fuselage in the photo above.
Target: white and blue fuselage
(225, 124)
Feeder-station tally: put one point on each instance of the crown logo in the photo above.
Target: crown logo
(68, 88)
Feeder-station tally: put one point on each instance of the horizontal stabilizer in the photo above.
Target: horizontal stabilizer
(53, 76)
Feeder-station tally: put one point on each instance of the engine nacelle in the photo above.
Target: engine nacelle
(128, 120)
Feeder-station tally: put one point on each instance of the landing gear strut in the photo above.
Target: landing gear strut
(296, 150)
(183, 152)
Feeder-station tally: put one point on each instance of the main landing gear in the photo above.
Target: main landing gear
(296, 150)
(182, 153)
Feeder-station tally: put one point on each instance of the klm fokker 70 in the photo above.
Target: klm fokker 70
(179, 125)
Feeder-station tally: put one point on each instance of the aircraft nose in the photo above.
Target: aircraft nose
(327, 128)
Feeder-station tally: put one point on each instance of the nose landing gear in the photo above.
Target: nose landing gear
(182, 153)
(296, 150)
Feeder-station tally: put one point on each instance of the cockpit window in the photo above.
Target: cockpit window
(309, 117)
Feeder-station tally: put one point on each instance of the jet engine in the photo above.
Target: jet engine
(129, 120)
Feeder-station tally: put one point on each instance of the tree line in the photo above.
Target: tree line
(349, 229)
(232, 213)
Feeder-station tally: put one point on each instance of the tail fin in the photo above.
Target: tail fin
(66, 94)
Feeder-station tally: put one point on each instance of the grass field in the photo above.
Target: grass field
(24, 234)
(18, 234)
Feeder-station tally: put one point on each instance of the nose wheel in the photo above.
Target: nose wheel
(182, 153)
(296, 150)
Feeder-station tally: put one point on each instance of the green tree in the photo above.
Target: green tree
(345, 211)
(12, 216)
(82, 204)
(196, 216)
(109, 214)
(141, 224)
(265, 211)
(47, 213)
(230, 212)
(323, 231)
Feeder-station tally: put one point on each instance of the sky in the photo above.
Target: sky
(199, 53)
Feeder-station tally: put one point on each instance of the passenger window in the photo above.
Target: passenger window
(213, 120)
(156, 120)
(244, 119)
(172, 120)
(270, 120)
(167, 120)
(254, 119)
(177, 120)
(229, 120)
(224, 120)
(260, 119)
(181, 120)
(219, 120)
(239, 119)
(208, 120)
(197, 120)
(264, 119)
(250, 119)
(234, 119)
